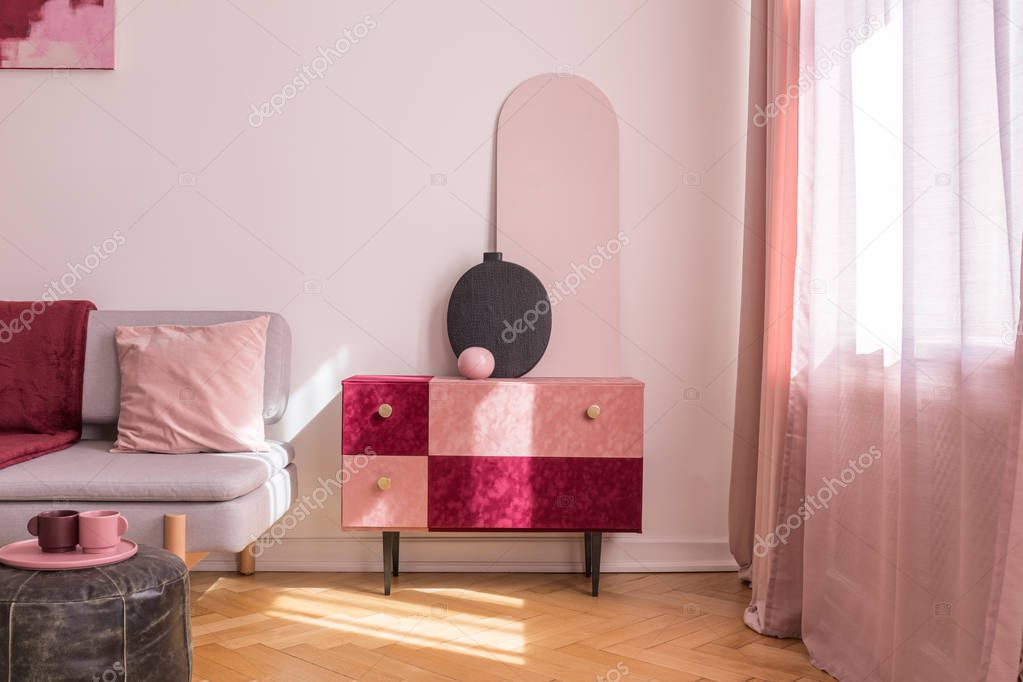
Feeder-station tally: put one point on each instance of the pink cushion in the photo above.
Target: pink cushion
(192, 389)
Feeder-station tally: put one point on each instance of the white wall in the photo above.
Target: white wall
(330, 213)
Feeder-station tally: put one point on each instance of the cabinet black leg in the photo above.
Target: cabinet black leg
(389, 542)
(594, 543)
(394, 568)
(586, 551)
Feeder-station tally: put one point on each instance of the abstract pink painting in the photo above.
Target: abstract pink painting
(47, 34)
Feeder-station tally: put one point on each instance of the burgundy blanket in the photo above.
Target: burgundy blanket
(42, 359)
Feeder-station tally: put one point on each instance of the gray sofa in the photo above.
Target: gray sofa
(190, 504)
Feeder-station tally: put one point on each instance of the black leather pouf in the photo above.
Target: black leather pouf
(125, 622)
(504, 308)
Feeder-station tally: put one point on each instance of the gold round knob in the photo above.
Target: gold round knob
(593, 411)
(384, 410)
(384, 483)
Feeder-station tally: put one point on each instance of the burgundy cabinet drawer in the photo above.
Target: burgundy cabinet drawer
(535, 493)
(385, 415)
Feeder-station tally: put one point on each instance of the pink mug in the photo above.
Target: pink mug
(99, 532)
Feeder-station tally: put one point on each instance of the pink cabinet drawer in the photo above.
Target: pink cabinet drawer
(536, 493)
(537, 417)
(385, 415)
(384, 493)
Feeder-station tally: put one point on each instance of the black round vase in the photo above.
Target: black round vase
(504, 308)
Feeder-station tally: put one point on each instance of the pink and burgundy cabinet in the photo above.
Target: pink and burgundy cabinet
(447, 454)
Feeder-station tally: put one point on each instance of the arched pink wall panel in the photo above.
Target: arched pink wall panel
(557, 214)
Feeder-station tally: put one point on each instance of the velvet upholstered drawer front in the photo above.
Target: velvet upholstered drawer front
(384, 493)
(385, 415)
(535, 493)
(537, 417)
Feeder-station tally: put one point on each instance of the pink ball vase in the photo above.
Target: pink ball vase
(476, 363)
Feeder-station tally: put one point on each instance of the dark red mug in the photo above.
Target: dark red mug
(57, 530)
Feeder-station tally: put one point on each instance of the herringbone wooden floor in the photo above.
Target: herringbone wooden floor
(481, 627)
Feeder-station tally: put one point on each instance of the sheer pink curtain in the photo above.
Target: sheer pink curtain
(908, 284)
(888, 517)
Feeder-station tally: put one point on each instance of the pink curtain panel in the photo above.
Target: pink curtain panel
(888, 517)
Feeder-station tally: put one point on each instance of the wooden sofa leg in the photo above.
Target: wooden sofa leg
(174, 534)
(175, 539)
(247, 560)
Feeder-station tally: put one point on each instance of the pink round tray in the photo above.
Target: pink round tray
(26, 554)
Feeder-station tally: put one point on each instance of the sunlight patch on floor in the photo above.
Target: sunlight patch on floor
(437, 627)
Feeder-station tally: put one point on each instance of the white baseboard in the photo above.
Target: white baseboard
(486, 553)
